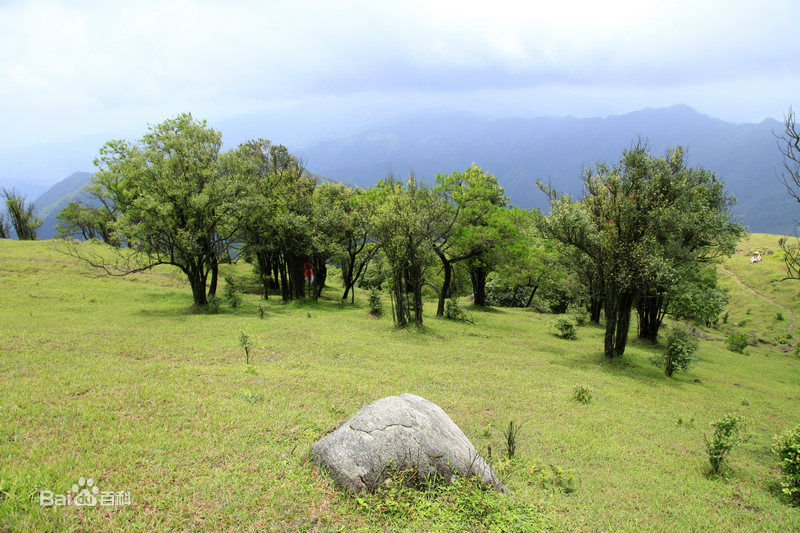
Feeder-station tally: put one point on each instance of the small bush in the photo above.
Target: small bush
(582, 394)
(679, 354)
(581, 318)
(778, 316)
(454, 311)
(262, 310)
(230, 292)
(213, 306)
(787, 448)
(375, 302)
(737, 342)
(566, 327)
(552, 478)
(728, 432)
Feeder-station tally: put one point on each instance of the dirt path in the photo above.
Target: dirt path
(770, 300)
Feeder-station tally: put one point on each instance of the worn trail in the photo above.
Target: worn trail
(770, 300)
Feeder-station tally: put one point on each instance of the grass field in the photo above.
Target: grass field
(116, 379)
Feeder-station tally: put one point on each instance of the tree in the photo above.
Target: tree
(85, 221)
(526, 261)
(789, 146)
(643, 223)
(343, 215)
(270, 175)
(5, 227)
(474, 220)
(174, 204)
(408, 219)
(22, 216)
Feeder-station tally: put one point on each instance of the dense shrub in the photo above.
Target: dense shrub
(453, 311)
(787, 447)
(501, 295)
(375, 302)
(737, 342)
(566, 327)
(679, 353)
(699, 299)
(580, 317)
(727, 434)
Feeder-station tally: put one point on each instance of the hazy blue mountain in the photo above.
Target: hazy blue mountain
(50, 204)
(520, 151)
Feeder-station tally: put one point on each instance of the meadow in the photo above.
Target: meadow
(119, 380)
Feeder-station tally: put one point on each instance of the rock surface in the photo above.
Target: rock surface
(399, 433)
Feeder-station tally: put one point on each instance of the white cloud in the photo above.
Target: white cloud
(88, 66)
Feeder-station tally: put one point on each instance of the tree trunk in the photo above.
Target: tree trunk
(264, 271)
(478, 276)
(595, 308)
(415, 277)
(623, 323)
(347, 274)
(530, 298)
(650, 313)
(198, 283)
(447, 266)
(285, 294)
(212, 288)
(401, 309)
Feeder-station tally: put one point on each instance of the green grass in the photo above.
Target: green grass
(117, 379)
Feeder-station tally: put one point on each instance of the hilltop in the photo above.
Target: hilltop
(118, 379)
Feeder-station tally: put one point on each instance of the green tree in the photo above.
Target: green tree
(643, 223)
(408, 219)
(526, 260)
(85, 221)
(174, 204)
(22, 216)
(5, 227)
(474, 220)
(271, 177)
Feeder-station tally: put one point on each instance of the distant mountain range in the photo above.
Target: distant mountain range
(521, 150)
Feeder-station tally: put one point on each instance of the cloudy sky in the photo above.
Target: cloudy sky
(71, 69)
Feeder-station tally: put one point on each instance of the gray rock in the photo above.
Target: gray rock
(399, 433)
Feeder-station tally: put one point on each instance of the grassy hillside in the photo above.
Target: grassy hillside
(116, 379)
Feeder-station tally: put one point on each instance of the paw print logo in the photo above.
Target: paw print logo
(86, 492)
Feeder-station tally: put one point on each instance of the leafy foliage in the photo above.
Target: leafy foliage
(643, 224)
(679, 354)
(175, 205)
(737, 342)
(566, 327)
(582, 394)
(787, 448)
(375, 302)
(464, 504)
(728, 432)
(22, 216)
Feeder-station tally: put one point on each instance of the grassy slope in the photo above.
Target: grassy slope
(116, 379)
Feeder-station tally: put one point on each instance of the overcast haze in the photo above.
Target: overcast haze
(74, 69)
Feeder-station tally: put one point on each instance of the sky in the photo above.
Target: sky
(71, 69)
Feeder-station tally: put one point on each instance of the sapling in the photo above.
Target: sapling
(244, 340)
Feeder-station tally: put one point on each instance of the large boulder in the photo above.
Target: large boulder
(399, 433)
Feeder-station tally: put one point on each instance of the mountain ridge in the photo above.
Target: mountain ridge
(557, 149)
